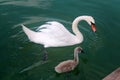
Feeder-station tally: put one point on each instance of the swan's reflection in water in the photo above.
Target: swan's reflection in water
(34, 65)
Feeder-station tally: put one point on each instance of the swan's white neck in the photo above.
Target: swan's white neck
(75, 26)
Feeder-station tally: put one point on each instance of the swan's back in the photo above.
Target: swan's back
(52, 34)
(52, 27)
(58, 34)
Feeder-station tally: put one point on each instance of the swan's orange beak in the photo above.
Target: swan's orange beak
(93, 27)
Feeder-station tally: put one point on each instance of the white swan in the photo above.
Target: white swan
(54, 34)
(69, 65)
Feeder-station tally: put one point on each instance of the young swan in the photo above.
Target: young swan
(69, 65)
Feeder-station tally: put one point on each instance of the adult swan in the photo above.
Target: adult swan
(54, 34)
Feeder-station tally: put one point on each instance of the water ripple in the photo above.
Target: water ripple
(45, 4)
(34, 65)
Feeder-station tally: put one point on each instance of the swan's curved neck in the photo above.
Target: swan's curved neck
(76, 58)
(75, 27)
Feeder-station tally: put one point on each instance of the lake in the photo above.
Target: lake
(21, 59)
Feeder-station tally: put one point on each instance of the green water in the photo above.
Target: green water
(21, 59)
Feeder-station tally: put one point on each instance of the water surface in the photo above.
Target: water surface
(21, 59)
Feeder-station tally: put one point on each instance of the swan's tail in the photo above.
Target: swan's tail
(31, 34)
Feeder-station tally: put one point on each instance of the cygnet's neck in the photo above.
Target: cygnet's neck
(76, 58)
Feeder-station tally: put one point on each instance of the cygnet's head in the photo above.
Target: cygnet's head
(79, 50)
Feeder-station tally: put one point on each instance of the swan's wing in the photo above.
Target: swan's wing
(52, 26)
(54, 29)
(57, 34)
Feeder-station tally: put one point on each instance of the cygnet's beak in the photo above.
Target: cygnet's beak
(82, 51)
